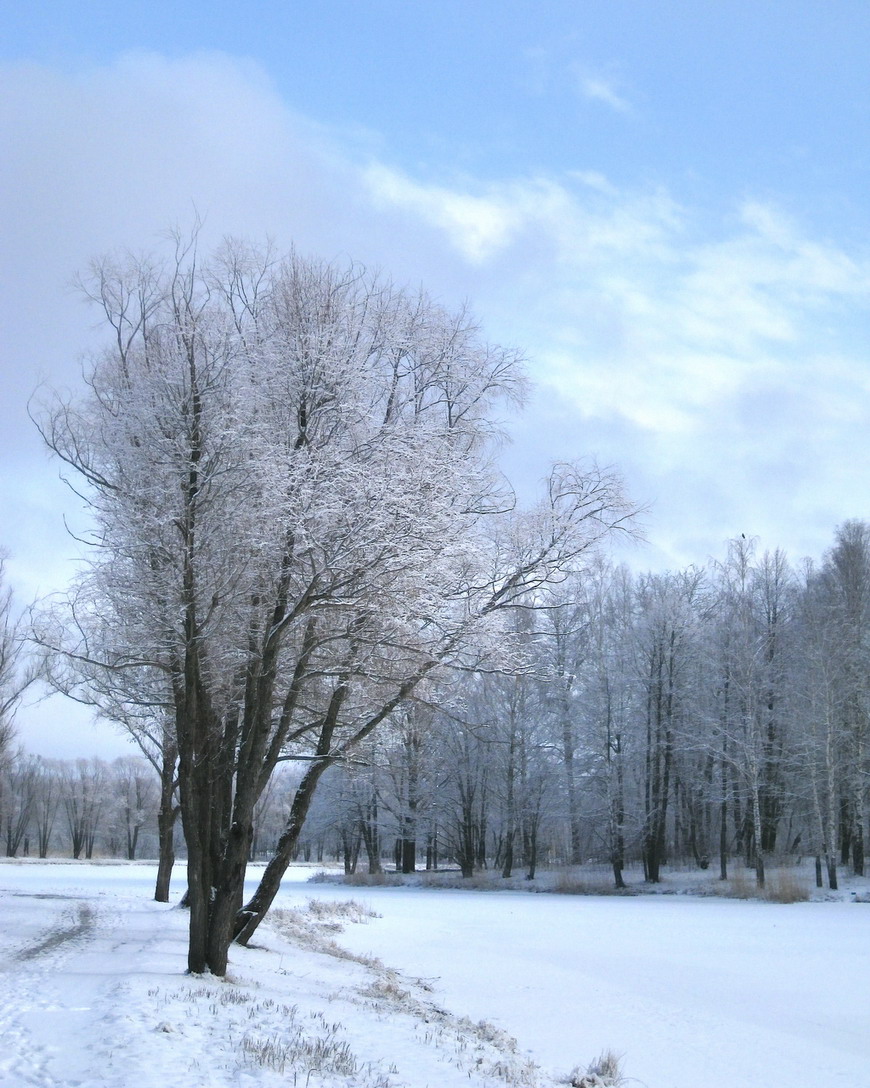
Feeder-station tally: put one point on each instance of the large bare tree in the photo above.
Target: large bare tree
(296, 521)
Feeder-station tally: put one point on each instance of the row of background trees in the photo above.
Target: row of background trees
(693, 717)
(699, 716)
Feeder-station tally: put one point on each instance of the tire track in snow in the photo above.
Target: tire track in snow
(58, 937)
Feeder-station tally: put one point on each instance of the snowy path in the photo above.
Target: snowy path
(61, 982)
(36, 984)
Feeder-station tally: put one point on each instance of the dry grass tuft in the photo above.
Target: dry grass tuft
(786, 886)
(323, 1052)
(446, 878)
(367, 880)
(604, 1072)
(306, 931)
(387, 988)
(348, 910)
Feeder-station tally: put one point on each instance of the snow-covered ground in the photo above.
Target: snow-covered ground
(691, 992)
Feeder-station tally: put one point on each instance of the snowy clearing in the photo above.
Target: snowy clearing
(690, 992)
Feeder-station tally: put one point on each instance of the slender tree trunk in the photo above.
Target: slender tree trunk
(723, 823)
(254, 911)
(510, 808)
(619, 819)
(830, 836)
(571, 780)
(166, 852)
(858, 807)
(758, 852)
(533, 854)
(432, 848)
(615, 801)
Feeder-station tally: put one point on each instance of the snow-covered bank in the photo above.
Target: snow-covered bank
(692, 992)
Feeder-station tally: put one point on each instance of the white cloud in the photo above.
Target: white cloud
(476, 225)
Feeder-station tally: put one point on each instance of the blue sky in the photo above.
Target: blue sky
(664, 204)
(708, 99)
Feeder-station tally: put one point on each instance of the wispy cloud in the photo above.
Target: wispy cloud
(546, 70)
(724, 370)
(598, 89)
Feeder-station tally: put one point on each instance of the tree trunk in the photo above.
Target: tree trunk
(616, 799)
(533, 859)
(371, 833)
(432, 849)
(510, 816)
(723, 824)
(570, 779)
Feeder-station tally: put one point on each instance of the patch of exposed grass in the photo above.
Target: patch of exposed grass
(568, 883)
(780, 886)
